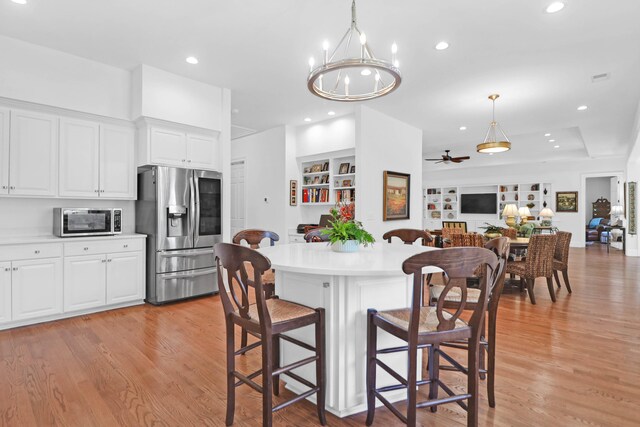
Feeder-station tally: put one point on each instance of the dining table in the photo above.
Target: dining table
(345, 285)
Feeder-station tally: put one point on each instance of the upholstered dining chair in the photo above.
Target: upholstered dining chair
(499, 246)
(316, 235)
(409, 236)
(254, 237)
(269, 320)
(539, 263)
(561, 258)
(426, 328)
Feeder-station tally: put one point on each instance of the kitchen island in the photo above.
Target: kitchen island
(345, 285)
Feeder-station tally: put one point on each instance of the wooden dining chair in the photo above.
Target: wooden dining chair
(409, 236)
(428, 327)
(561, 258)
(500, 247)
(254, 237)
(316, 235)
(539, 263)
(268, 319)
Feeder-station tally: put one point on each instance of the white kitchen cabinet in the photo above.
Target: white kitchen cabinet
(4, 151)
(168, 147)
(79, 158)
(33, 154)
(36, 288)
(5, 291)
(125, 277)
(117, 164)
(203, 152)
(84, 282)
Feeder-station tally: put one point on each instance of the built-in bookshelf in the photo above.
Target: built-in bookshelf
(328, 180)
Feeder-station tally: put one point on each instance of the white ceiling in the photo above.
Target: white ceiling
(541, 64)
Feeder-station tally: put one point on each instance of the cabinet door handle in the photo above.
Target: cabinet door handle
(12, 188)
(189, 161)
(102, 191)
(86, 249)
(15, 268)
(36, 251)
(125, 246)
(95, 191)
(104, 260)
(109, 260)
(4, 187)
(184, 160)
(7, 269)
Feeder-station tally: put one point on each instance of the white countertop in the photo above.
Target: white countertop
(20, 240)
(381, 259)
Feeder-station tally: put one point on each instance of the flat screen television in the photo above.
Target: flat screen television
(482, 203)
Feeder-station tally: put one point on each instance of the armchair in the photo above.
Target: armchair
(595, 228)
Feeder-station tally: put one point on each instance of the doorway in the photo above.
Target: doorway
(600, 193)
(238, 203)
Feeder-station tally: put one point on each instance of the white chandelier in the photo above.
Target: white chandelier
(356, 78)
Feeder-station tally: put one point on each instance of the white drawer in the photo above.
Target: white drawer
(103, 247)
(30, 251)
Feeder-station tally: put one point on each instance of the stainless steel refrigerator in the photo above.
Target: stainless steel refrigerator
(180, 212)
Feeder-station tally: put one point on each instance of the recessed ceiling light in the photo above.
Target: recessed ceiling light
(19, 1)
(554, 7)
(331, 113)
(442, 45)
(556, 146)
(307, 119)
(582, 108)
(552, 140)
(547, 134)
(192, 60)
(463, 128)
(365, 72)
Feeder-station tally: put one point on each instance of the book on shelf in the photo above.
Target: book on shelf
(315, 195)
(345, 195)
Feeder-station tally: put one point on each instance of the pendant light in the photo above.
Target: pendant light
(491, 143)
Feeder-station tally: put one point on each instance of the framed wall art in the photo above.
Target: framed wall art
(566, 201)
(293, 193)
(396, 198)
(633, 218)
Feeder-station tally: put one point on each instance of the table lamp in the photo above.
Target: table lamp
(617, 211)
(546, 214)
(510, 212)
(524, 214)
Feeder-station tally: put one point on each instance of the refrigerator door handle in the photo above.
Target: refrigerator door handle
(193, 206)
(196, 221)
(186, 253)
(188, 275)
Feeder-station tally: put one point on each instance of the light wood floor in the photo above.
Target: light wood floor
(576, 362)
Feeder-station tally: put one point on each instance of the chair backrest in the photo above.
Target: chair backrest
(316, 235)
(325, 221)
(539, 262)
(458, 265)
(408, 236)
(509, 232)
(253, 237)
(465, 240)
(455, 224)
(562, 247)
(448, 232)
(501, 247)
(232, 259)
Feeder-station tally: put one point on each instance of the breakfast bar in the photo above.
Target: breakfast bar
(345, 285)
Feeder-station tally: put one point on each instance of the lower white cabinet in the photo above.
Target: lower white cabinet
(5, 291)
(85, 282)
(36, 288)
(125, 277)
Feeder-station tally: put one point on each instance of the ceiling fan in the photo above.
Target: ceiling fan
(446, 158)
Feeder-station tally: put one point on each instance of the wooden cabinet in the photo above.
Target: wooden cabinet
(36, 288)
(84, 282)
(79, 158)
(33, 154)
(5, 291)
(125, 277)
(174, 147)
(96, 160)
(4, 151)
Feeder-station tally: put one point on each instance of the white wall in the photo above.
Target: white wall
(386, 144)
(326, 136)
(596, 188)
(563, 176)
(265, 177)
(50, 77)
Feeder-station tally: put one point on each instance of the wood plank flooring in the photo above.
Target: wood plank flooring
(573, 363)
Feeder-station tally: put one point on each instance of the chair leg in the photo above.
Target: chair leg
(267, 381)
(276, 364)
(555, 274)
(434, 373)
(530, 283)
(321, 365)
(243, 340)
(491, 368)
(552, 291)
(565, 276)
(481, 353)
(231, 379)
(372, 345)
(412, 392)
(472, 383)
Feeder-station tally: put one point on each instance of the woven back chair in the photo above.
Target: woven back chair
(448, 232)
(539, 263)
(510, 233)
(409, 236)
(466, 240)
(455, 224)
(268, 320)
(561, 258)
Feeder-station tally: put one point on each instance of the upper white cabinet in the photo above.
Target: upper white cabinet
(96, 160)
(33, 154)
(174, 147)
(4, 151)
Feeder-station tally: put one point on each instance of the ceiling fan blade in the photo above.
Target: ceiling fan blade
(461, 158)
(441, 161)
(433, 160)
(456, 160)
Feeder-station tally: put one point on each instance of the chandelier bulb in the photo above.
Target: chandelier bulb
(346, 80)
(394, 48)
(311, 63)
(325, 45)
(396, 63)
(363, 39)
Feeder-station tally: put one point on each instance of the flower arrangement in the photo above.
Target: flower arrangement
(492, 230)
(344, 227)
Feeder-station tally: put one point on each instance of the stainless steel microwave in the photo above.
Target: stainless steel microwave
(70, 222)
